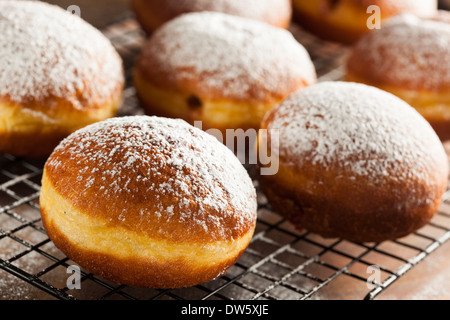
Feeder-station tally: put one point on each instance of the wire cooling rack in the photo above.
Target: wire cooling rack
(281, 263)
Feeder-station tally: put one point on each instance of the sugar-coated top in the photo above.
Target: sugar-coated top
(226, 56)
(47, 52)
(359, 130)
(160, 175)
(407, 52)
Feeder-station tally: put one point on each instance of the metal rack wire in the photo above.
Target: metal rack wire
(281, 263)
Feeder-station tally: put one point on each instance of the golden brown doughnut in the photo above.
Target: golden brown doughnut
(147, 201)
(345, 21)
(355, 162)
(151, 14)
(57, 74)
(409, 57)
(223, 70)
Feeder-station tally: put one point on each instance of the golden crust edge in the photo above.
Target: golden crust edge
(180, 265)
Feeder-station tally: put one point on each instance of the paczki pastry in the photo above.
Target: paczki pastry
(345, 21)
(147, 201)
(57, 74)
(409, 57)
(355, 162)
(222, 70)
(151, 14)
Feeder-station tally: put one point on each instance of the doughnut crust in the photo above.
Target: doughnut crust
(409, 57)
(355, 162)
(151, 14)
(147, 201)
(345, 21)
(223, 70)
(57, 74)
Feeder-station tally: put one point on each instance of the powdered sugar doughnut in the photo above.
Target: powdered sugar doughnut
(57, 74)
(148, 201)
(223, 70)
(345, 21)
(409, 57)
(355, 162)
(153, 13)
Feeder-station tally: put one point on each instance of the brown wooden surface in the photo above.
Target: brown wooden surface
(430, 279)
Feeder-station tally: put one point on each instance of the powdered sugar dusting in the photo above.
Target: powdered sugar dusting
(361, 130)
(229, 54)
(172, 172)
(46, 51)
(407, 51)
